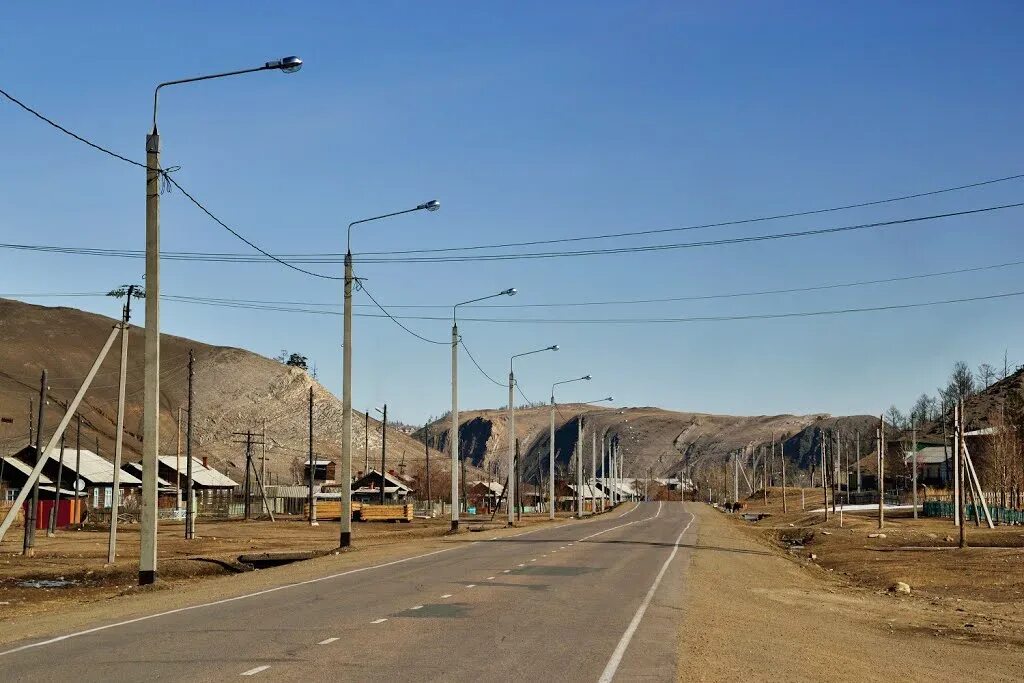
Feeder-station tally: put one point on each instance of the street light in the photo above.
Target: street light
(551, 446)
(454, 438)
(345, 537)
(510, 489)
(151, 386)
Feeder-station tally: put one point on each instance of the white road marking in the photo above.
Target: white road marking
(632, 509)
(379, 621)
(490, 578)
(620, 649)
(520, 565)
(471, 585)
(533, 560)
(417, 607)
(506, 571)
(253, 672)
(495, 538)
(328, 641)
(447, 595)
(224, 601)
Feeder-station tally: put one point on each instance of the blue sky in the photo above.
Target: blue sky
(533, 121)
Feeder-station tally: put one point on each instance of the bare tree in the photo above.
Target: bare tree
(986, 376)
(961, 381)
(896, 418)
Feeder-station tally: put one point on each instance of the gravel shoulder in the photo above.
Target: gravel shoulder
(754, 612)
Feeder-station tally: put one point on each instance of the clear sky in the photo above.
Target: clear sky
(532, 121)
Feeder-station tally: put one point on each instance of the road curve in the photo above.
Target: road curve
(592, 601)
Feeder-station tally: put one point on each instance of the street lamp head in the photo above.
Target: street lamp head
(432, 205)
(287, 65)
(511, 291)
(553, 348)
(586, 377)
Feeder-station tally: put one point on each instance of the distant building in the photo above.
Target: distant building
(323, 471)
(366, 489)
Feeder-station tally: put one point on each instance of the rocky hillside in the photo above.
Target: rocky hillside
(652, 440)
(235, 391)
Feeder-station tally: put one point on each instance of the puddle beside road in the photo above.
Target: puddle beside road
(47, 583)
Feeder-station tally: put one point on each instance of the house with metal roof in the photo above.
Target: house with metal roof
(934, 465)
(204, 477)
(366, 489)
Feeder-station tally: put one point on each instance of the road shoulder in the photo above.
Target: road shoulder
(753, 613)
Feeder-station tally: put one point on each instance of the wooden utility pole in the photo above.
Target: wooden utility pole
(29, 542)
(177, 459)
(824, 479)
(366, 442)
(957, 518)
(312, 464)
(247, 505)
(78, 465)
(858, 461)
(51, 523)
(764, 474)
(835, 473)
(31, 417)
(190, 512)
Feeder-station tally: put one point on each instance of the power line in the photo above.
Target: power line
(482, 371)
(394, 319)
(612, 302)
(759, 219)
(602, 321)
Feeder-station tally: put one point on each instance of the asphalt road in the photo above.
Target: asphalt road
(585, 601)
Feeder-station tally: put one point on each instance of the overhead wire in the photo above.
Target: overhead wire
(478, 367)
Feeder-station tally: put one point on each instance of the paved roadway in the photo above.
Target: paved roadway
(585, 601)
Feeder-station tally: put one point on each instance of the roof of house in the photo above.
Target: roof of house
(932, 455)
(987, 431)
(201, 474)
(319, 463)
(589, 491)
(93, 468)
(11, 461)
(492, 486)
(135, 468)
(366, 490)
(388, 478)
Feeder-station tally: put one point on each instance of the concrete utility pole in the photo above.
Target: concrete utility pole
(881, 471)
(190, 511)
(913, 446)
(426, 452)
(579, 467)
(824, 479)
(151, 399)
(957, 519)
(736, 477)
(510, 479)
(835, 473)
(247, 505)
(604, 478)
(962, 472)
(858, 462)
(384, 455)
(28, 545)
(312, 464)
(782, 459)
(593, 471)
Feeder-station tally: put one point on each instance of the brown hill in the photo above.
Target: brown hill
(652, 440)
(235, 390)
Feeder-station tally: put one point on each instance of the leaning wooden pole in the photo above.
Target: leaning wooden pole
(33, 476)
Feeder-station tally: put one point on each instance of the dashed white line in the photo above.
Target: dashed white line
(521, 565)
(447, 595)
(471, 585)
(416, 607)
(490, 578)
(505, 571)
(533, 560)
(327, 641)
(253, 672)
(379, 621)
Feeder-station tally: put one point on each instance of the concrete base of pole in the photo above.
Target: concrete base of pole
(346, 539)
(147, 578)
(455, 525)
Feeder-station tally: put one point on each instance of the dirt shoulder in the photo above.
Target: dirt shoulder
(194, 571)
(754, 612)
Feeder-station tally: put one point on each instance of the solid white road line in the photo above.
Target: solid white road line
(379, 621)
(447, 595)
(253, 672)
(327, 641)
(632, 509)
(505, 571)
(490, 578)
(417, 607)
(471, 585)
(620, 649)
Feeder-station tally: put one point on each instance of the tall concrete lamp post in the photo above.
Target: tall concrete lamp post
(551, 445)
(345, 537)
(510, 490)
(151, 386)
(454, 437)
